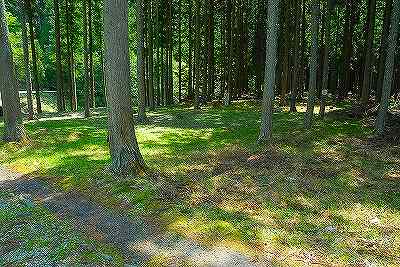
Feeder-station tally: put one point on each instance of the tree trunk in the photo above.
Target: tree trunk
(293, 91)
(69, 6)
(27, 69)
(197, 56)
(313, 65)
(140, 63)
(86, 59)
(59, 71)
(13, 127)
(383, 48)
(190, 56)
(327, 48)
(365, 93)
(151, 57)
(388, 78)
(124, 149)
(35, 73)
(228, 53)
(270, 71)
(179, 51)
(259, 47)
(92, 87)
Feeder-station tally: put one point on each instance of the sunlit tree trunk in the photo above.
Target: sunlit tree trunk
(270, 70)
(313, 65)
(13, 128)
(27, 69)
(124, 149)
(228, 53)
(190, 56)
(388, 78)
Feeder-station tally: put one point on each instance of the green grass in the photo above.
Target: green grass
(278, 201)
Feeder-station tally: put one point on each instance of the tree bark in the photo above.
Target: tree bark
(27, 69)
(140, 63)
(197, 56)
(35, 73)
(151, 57)
(179, 51)
(86, 60)
(92, 87)
(365, 93)
(388, 78)
(327, 48)
(59, 71)
(13, 127)
(270, 71)
(313, 65)
(383, 48)
(293, 93)
(124, 149)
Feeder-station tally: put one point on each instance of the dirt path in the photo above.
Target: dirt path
(138, 239)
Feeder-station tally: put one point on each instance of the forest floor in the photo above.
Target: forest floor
(329, 196)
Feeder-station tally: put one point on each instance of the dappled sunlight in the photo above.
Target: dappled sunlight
(308, 196)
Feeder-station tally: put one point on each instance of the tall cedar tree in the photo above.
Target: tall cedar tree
(388, 77)
(124, 149)
(270, 70)
(13, 128)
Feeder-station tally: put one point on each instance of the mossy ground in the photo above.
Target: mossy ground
(327, 195)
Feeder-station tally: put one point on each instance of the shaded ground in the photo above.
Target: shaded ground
(326, 196)
(140, 242)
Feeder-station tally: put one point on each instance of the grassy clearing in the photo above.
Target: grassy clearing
(324, 196)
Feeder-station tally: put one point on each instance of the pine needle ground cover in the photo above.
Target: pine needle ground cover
(328, 195)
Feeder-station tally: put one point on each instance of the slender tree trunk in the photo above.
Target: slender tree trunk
(270, 71)
(92, 87)
(170, 95)
(13, 127)
(35, 73)
(313, 65)
(383, 48)
(124, 149)
(365, 93)
(180, 51)
(390, 58)
(229, 53)
(70, 7)
(190, 56)
(285, 59)
(28, 79)
(210, 55)
(327, 48)
(151, 57)
(260, 46)
(140, 63)
(59, 73)
(295, 78)
(197, 56)
(86, 59)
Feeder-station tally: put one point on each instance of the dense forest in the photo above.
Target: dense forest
(203, 51)
(259, 74)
